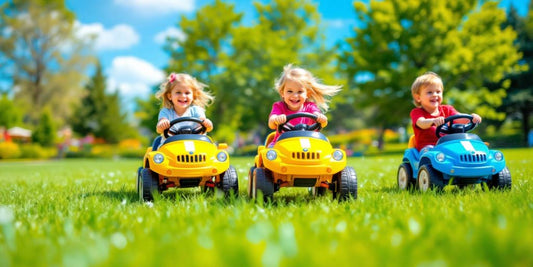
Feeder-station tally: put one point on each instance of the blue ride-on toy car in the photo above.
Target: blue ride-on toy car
(458, 158)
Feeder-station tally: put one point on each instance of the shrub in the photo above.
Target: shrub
(35, 151)
(9, 150)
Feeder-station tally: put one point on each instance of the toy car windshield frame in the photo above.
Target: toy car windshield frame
(458, 136)
(311, 134)
(180, 137)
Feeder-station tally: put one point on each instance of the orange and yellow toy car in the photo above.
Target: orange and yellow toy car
(187, 158)
(301, 157)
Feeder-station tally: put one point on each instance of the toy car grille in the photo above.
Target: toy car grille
(305, 155)
(479, 157)
(192, 158)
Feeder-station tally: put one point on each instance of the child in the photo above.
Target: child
(182, 96)
(429, 113)
(300, 92)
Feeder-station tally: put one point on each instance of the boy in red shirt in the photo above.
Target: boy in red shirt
(429, 113)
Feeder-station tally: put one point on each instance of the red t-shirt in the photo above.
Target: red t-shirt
(279, 108)
(427, 136)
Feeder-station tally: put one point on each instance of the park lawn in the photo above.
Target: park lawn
(85, 212)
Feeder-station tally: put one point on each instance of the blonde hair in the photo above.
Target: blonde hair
(316, 92)
(201, 97)
(426, 79)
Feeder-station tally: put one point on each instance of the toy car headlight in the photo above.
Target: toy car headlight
(338, 155)
(158, 158)
(221, 156)
(498, 156)
(440, 157)
(271, 155)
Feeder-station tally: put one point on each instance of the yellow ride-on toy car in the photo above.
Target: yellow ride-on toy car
(301, 157)
(187, 158)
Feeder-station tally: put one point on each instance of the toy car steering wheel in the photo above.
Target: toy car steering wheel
(286, 126)
(449, 127)
(186, 129)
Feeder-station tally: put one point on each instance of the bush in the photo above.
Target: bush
(36, 151)
(9, 150)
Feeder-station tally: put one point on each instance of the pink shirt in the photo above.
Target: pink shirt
(427, 136)
(279, 108)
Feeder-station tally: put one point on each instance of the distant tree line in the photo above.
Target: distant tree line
(482, 53)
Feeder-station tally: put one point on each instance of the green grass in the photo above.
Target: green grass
(86, 213)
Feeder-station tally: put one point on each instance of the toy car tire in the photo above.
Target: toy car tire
(148, 184)
(501, 180)
(405, 176)
(230, 182)
(429, 178)
(263, 184)
(346, 186)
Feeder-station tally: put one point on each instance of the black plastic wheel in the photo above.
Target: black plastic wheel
(405, 177)
(262, 183)
(230, 182)
(501, 180)
(346, 186)
(148, 185)
(429, 178)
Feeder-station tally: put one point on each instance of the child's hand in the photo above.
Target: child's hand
(322, 119)
(162, 125)
(278, 119)
(477, 118)
(438, 121)
(208, 124)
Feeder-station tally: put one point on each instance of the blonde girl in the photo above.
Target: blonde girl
(183, 96)
(300, 91)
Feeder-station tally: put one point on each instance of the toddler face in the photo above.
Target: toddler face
(294, 95)
(430, 97)
(181, 97)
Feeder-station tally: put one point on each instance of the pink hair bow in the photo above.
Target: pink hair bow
(171, 77)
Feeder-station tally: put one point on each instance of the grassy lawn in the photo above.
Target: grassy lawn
(86, 213)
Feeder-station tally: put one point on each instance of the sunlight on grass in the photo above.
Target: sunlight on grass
(86, 212)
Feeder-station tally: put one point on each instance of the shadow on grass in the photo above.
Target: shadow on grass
(172, 195)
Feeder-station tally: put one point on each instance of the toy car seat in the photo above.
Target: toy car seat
(155, 144)
(412, 142)
(269, 138)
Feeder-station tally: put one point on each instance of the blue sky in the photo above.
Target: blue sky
(131, 33)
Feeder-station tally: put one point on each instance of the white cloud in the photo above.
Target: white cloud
(169, 32)
(121, 36)
(133, 76)
(158, 7)
(340, 23)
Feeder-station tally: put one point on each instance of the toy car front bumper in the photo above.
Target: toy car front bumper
(458, 171)
(190, 171)
(307, 170)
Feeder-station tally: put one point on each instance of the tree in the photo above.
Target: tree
(10, 114)
(45, 132)
(399, 40)
(519, 99)
(240, 63)
(43, 58)
(99, 113)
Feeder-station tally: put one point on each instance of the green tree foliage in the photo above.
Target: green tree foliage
(99, 113)
(240, 63)
(10, 114)
(519, 100)
(42, 56)
(147, 112)
(45, 132)
(398, 40)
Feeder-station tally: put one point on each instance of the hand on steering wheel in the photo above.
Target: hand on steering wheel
(200, 129)
(450, 127)
(286, 126)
